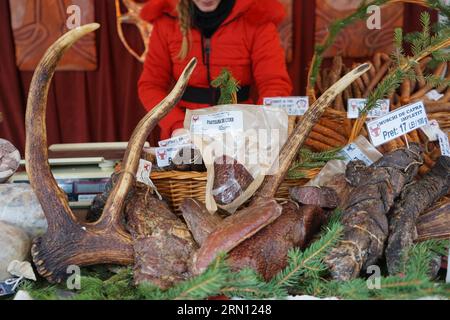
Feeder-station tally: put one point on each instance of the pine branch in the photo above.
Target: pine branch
(206, 285)
(423, 45)
(333, 31)
(309, 261)
(250, 285)
(228, 86)
(312, 160)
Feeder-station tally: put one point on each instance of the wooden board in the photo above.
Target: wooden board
(357, 41)
(36, 24)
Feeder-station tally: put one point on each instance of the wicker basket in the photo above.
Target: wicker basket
(176, 186)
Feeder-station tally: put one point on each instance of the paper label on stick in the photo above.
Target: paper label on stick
(144, 171)
(397, 123)
(434, 95)
(217, 123)
(355, 106)
(294, 106)
(444, 143)
(352, 152)
(431, 130)
(175, 141)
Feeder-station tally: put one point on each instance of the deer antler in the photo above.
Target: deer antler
(133, 17)
(67, 241)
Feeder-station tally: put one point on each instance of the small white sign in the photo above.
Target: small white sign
(144, 171)
(352, 152)
(294, 106)
(444, 143)
(217, 123)
(434, 95)
(175, 141)
(397, 123)
(164, 156)
(355, 106)
(431, 130)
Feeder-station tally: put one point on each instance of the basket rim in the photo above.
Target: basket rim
(179, 175)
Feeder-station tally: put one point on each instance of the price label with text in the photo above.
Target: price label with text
(294, 106)
(397, 123)
(444, 143)
(352, 152)
(217, 123)
(144, 171)
(355, 106)
(175, 141)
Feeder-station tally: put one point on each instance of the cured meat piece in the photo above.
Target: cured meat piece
(414, 200)
(200, 222)
(434, 224)
(9, 160)
(234, 230)
(341, 186)
(364, 216)
(162, 243)
(323, 197)
(231, 179)
(266, 252)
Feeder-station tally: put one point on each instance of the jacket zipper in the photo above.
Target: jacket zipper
(206, 53)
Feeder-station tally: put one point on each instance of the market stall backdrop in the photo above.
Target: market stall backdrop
(99, 101)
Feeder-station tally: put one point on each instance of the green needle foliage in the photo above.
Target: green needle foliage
(305, 273)
(337, 26)
(412, 283)
(218, 279)
(228, 86)
(423, 44)
(333, 31)
(312, 160)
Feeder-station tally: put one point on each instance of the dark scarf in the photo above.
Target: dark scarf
(209, 22)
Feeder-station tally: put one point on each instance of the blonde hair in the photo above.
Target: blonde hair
(184, 14)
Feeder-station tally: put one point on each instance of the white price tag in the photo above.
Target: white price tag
(434, 95)
(397, 123)
(355, 106)
(431, 130)
(217, 123)
(352, 152)
(175, 141)
(165, 155)
(294, 106)
(444, 143)
(144, 171)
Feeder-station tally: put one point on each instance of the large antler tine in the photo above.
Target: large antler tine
(53, 200)
(114, 206)
(303, 128)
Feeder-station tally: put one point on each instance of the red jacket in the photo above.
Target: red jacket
(247, 43)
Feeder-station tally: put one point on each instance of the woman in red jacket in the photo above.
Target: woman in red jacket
(240, 35)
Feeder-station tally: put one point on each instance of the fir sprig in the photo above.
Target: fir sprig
(305, 274)
(312, 160)
(413, 282)
(333, 31)
(423, 44)
(228, 86)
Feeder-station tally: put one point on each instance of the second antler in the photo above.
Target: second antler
(68, 241)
